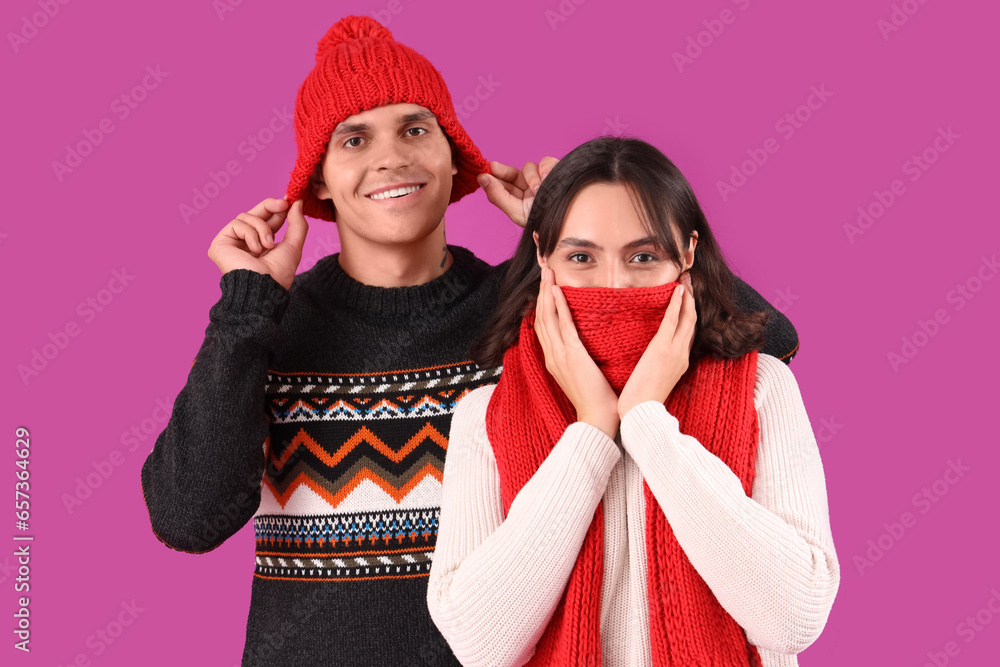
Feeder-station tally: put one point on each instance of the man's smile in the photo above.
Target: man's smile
(395, 191)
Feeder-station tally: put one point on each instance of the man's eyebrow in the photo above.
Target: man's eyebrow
(423, 114)
(571, 242)
(351, 128)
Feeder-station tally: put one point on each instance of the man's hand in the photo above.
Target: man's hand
(512, 190)
(248, 241)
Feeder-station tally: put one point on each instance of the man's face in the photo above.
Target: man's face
(388, 172)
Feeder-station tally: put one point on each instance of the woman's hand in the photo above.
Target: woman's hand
(666, 357)
(568, 361)
(512, 190)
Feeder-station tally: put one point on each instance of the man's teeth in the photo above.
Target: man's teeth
(396, 192)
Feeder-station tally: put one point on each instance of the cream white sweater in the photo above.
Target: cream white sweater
(769, 558)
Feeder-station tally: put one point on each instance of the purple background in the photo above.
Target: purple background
(560, 74)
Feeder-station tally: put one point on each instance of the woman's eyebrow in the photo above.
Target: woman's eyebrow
(638, 243)
(571, 242)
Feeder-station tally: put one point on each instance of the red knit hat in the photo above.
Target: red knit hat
(359, 66)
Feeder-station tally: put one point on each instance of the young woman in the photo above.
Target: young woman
(642, 487)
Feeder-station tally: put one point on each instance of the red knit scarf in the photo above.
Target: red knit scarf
(713, 402)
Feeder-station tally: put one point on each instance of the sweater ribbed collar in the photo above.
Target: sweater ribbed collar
(336, 287)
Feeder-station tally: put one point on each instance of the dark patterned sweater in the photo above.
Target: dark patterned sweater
(323, 413)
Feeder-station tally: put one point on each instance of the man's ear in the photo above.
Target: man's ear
(538, 254)
(317, 183)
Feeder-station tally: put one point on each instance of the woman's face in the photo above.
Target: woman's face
(604, 244)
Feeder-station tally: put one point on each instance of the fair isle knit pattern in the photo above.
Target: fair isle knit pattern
(341, 445)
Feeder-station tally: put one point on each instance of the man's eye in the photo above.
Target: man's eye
(416, 131)
(353, 142)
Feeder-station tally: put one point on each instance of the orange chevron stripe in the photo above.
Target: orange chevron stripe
(303, 439)
(363, 474)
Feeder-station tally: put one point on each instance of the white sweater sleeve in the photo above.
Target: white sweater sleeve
(496, 581)
(768, 558)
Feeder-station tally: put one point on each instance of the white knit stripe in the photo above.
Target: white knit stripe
(496, 581)
(773, 566)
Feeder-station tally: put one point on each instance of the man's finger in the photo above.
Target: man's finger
(269, 206)
(297, 226)
(531, 176)
(545, 166)
(264, 231)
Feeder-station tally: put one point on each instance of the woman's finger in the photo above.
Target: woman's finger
(688, 320)
(669, 324)
(567, 329)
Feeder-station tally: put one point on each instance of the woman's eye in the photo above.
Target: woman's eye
(578, 257)
(644, 257)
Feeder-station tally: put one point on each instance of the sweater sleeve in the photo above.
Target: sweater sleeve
(496, 580)
(201, 482)
(768, 558)
(780, 338)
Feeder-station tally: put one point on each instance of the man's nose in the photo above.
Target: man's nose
(391, 154)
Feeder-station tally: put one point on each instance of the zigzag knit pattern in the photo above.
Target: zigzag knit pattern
(331, 435)
(713, 402)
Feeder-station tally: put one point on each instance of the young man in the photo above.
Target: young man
(321, 406)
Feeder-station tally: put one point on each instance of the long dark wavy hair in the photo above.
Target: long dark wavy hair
(664, 200)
